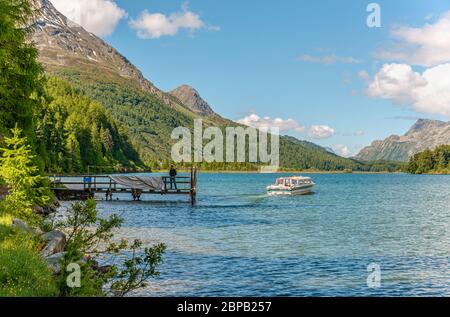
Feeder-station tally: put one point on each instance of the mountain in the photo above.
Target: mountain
(191, 98)
(64, 45)
(298, 154)
(145, 113)
(424, 134)
(99, 72)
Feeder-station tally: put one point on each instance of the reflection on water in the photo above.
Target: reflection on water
(239, 241)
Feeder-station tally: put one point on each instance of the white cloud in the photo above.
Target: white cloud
(342, 150)
(428, 92)
(426, 46)
(329, 59)
(96, 16)
(155, 25)
(320, 132)
(285, 125)
(396, 82)
(435, 96)
(255, 121)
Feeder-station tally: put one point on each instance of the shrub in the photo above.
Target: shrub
(90, 237)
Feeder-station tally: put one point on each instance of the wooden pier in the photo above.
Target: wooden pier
(66, 188)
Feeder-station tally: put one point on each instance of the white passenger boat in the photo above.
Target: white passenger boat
(295, 185)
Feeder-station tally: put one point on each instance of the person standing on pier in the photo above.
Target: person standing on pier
(173, 174)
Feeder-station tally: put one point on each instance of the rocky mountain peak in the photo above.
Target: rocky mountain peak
(423, 124)
(192, 99)
(49, 16)
(424, 134)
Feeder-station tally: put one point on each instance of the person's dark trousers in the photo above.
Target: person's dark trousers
(173, 183)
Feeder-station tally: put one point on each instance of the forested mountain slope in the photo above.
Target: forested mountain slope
(74, 132)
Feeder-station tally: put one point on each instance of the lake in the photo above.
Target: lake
(237, 241)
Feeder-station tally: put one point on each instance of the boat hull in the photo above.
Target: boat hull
(304, 190)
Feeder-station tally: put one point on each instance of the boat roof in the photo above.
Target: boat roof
(302, 178)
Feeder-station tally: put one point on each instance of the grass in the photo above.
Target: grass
(22, 272)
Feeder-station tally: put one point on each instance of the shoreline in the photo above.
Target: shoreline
(281, 172)
(312, 172)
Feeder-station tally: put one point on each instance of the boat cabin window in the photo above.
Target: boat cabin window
(292, 182)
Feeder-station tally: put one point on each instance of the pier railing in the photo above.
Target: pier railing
(86, 186)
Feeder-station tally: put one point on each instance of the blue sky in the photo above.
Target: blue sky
(309, 61)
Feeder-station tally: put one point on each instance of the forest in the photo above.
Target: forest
(70, 132)
(435, 161)
(74, 132)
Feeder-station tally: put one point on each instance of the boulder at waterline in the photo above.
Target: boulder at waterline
(56, 242)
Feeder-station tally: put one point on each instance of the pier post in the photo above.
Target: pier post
(110, 191)
(193, 185)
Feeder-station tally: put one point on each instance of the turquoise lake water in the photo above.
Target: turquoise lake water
(237, 241)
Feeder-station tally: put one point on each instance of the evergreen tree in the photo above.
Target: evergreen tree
(20, 73)
(74, 155)
(22, 177)
(107, 141)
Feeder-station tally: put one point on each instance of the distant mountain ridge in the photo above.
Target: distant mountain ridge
(424, 134)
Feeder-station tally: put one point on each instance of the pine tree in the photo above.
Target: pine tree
(74, 155)
(20, 73)
(107, 141)
(22, 177)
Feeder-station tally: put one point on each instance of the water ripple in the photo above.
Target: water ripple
(238, 241)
